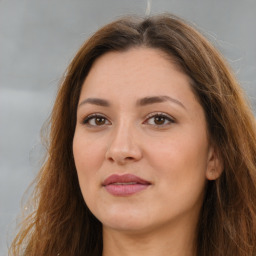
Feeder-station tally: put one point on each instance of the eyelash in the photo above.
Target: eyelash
(166, 117)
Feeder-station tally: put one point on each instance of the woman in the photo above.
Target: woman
(152, 150)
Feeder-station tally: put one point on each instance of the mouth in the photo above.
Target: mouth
(125, 185)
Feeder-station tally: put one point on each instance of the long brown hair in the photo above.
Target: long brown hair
(61, 223)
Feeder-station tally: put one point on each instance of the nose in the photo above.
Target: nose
(124, 146)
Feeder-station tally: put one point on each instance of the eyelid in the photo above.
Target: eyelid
(159, 114)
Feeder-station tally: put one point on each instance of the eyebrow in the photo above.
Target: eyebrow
(157, 99)
(141, 102)
(95, 101)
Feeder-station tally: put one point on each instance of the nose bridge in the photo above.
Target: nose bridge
(123, 130)
(122, 136)
(123, 144)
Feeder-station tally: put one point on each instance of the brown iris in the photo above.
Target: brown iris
(100, 120)
(159, 120)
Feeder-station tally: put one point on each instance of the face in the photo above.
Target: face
(140, 146)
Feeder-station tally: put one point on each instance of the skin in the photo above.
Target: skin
(174, 155)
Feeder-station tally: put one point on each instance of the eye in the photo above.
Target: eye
(159, 119)
(96, 120)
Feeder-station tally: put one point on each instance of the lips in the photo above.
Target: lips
(125, 185)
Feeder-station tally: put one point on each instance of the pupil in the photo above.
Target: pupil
(100, 120)
(159, 120)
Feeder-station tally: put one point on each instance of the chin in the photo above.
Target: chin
(128, 228)
(125, 221)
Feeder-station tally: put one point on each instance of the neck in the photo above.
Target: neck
(164, 241)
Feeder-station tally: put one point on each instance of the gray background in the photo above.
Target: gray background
(39, 38)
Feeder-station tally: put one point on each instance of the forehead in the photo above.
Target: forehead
(140, 69)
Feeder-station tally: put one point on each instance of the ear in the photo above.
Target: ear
(214, 165)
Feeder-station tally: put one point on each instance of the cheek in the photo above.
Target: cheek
(181, 160)
(89, 156)
(179, 149)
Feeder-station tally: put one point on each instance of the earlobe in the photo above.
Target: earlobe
(214, 165)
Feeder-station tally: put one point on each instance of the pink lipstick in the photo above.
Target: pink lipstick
(125, 185)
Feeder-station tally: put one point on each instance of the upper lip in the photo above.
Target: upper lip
(125, 178)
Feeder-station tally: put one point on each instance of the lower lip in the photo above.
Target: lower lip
(125, 190)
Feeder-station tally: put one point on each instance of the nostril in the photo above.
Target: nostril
(111, 159)
(129, 158)
(120, 159)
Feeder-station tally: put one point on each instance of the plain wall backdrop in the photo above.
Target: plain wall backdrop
(39, 38)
